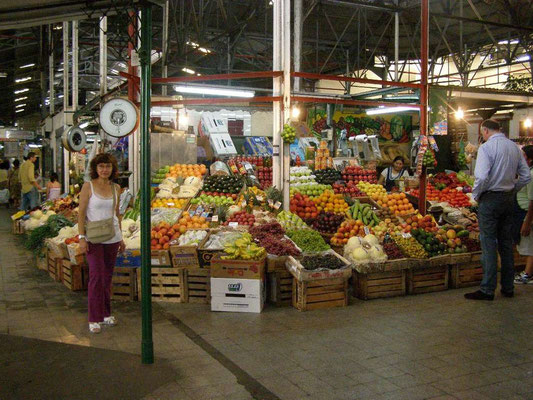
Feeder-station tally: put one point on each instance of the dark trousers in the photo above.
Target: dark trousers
(101, 259)
(496, 235)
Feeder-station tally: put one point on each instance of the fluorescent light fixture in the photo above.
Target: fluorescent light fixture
(19, 110)
(21, 98)
(522, 58)
(58, 27)
(3, 74)
(513, 41)
(198, 47)
(188, 70)
(527, 123)
(84, 124)
(25, 79)
(21, 91)
(459, 114)
(27, 66)
(389, 110)
(214, 91)
(35, 146)
(21, 105)
(60, 96)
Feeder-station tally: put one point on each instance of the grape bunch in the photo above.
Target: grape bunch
(288, 134)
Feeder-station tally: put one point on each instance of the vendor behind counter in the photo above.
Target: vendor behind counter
(391, 176)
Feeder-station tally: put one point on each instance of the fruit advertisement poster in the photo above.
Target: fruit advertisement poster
(393, 131)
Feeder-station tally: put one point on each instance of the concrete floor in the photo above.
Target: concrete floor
(432, 346)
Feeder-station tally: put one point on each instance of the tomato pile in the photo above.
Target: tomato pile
(303, 206)
(453, 197)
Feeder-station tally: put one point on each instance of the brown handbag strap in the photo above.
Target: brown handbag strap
(114, 198)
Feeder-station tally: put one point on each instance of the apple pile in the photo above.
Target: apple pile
(357, 174)
(242, 218)
(303, 206)
(264, 174)
(350, 189)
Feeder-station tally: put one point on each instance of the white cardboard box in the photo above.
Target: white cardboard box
(237, 295)
(222, 144)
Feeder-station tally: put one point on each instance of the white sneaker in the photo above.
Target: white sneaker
(523, 278)
(110, 321)
(94, 327)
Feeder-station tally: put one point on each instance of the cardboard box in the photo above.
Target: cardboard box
(258, 146)
(130, 258)
(222, 144)
(160, 258)
(237, 295)
(241, 269)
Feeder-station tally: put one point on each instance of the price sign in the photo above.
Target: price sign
(233, 224)
(214, 218)
(277, 205)
(259, 198)
(367, 231)
(406, 235)
(270, 202)
(243, 204)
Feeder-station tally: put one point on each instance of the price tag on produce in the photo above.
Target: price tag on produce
(155, 261)
(243, 204)
(259, 198)
(406, 235)
(233, 224)
(367, 231)
(277, 205)
(271, 202)
(214, 218)
(205, 214)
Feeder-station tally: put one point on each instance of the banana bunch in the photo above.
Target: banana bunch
(243, 248)
(362, 212)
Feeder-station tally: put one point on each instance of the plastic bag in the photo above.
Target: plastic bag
(168, 215)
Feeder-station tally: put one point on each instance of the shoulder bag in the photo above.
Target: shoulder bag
(103, 230)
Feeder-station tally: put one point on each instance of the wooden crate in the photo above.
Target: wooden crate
(196, 286)
(377, 285)
(124, 284)
(75, 276)
(55, 266)
(425, 280)
(41, 261)
(166, 283)
(279, 288)
(160, 258)
(321, 293)
(468, 273)
(18, 228)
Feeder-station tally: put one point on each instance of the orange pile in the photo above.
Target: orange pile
(397, 203)
(331, 202)
(426, 223)
(164, 233)
(186, 170)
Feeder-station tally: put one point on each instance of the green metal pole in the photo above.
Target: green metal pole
(147, 347)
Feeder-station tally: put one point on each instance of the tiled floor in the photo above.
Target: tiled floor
(434, 346)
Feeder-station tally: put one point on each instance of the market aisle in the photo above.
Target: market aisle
(32, 306)
(417, 347)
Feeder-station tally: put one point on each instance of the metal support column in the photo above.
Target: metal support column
(164, 55)
(103, 55)
(66, 93)
(396, 44)
(51, 88)
(297, 41)
(147, 346)
(276, 106)
(286, 47)
(133, 140)
(75, 56)
(424, 54)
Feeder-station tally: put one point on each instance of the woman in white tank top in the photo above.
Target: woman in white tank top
(96, 204)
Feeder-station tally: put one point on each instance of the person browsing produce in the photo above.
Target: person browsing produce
(30, 187)
(100, 236)
(525, 200)
(396, 171)
(499, 162)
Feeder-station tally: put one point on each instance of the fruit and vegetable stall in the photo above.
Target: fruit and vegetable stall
(342, 234)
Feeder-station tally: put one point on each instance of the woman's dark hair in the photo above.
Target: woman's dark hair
(16, 163)
(103, 158)
(54, 177)
(398, 158)
(528, 150)
(4, 165)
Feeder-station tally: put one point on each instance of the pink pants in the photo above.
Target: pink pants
(101, 259)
